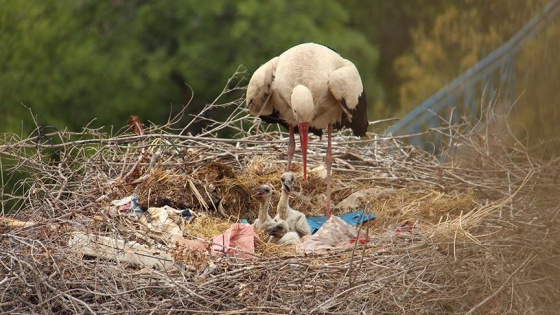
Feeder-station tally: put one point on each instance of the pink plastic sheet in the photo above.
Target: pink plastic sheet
(237, 240)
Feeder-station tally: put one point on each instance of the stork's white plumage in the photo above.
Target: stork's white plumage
(297, 221)
(310, 87)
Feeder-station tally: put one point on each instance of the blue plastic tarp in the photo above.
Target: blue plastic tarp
(352, 218)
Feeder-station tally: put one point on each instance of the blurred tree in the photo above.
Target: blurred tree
(465, 32)
(462, 34)
(388, 25)
(73, 61)
(70, 62)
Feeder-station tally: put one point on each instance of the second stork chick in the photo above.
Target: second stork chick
(277, 228)
(297, 222)
(280, 234)
(263, 195)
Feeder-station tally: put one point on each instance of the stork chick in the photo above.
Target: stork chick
(296, 220)
(277, 228)
(280, 234)
(263, 195)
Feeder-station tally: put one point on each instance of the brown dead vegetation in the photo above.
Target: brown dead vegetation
(485, 237)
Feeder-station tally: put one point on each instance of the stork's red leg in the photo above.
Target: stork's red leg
(291, 148)
(328, 162)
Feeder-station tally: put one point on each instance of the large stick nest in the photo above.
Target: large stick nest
(486, 238)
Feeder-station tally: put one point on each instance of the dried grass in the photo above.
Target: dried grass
(486, 237)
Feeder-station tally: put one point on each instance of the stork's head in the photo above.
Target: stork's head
(287, 180)
(259, 89)
(257, 93)
(263, 193)
(304, 112)
(302, 104)
(278, 229)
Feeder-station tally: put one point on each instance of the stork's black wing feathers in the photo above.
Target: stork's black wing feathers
(360, 122)
(275, 118)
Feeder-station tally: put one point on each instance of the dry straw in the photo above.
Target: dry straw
(485, 239)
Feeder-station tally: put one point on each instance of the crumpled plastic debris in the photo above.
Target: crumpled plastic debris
(237, 240)
(187, 214)
(164, 219)
(127, 205)
(190, 244)
(405, 227)
(335, 233)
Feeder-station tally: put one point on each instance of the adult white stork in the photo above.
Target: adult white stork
(310, 87)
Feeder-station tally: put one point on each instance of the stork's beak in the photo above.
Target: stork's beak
(303, 137)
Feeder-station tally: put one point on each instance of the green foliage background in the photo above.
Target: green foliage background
(74, 61)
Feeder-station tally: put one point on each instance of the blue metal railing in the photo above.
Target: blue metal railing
(458, 99)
